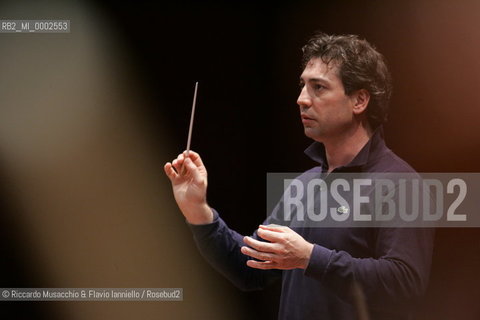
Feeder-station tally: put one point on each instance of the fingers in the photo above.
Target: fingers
(181, 159)
(257, 255)
(264, 265)
(272, 236)
(184, 166)
(177, 163)
(274, 227)
(259, 245)
(195, 157)
(169, 171)
(193, 170)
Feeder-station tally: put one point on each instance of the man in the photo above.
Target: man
(345, 90)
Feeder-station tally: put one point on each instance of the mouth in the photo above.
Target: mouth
(306, 118)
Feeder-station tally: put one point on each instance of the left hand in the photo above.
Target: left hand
(286, 249)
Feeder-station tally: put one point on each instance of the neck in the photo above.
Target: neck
(342, 149)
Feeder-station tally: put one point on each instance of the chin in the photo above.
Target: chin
(312, 134)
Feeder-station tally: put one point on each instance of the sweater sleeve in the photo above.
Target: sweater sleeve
(220, 246)
(397, 273)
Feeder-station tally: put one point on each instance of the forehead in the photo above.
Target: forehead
(317, 69)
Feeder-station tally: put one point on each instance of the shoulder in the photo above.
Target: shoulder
(388, 161)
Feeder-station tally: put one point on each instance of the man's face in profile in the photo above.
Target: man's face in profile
(326, 110)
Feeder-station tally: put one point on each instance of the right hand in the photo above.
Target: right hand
(188, 176)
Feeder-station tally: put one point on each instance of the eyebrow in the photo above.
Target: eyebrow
(323, 80)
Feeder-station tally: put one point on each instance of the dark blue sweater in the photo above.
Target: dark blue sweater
(391, 265)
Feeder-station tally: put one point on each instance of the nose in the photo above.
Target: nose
(304, 100)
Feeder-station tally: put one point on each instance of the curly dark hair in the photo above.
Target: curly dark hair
(360, 66)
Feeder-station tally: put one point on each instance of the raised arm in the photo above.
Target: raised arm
(217, 243)
(188, 176)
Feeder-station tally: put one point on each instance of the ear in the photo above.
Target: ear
(360, 101)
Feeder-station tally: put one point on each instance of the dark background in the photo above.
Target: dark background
(246, 57)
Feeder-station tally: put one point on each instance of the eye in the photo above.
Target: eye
(318, 87)
(301, 84)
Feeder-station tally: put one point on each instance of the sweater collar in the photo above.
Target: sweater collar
(370, 151)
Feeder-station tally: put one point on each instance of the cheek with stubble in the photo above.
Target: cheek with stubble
(312, 127)
(313, 130)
